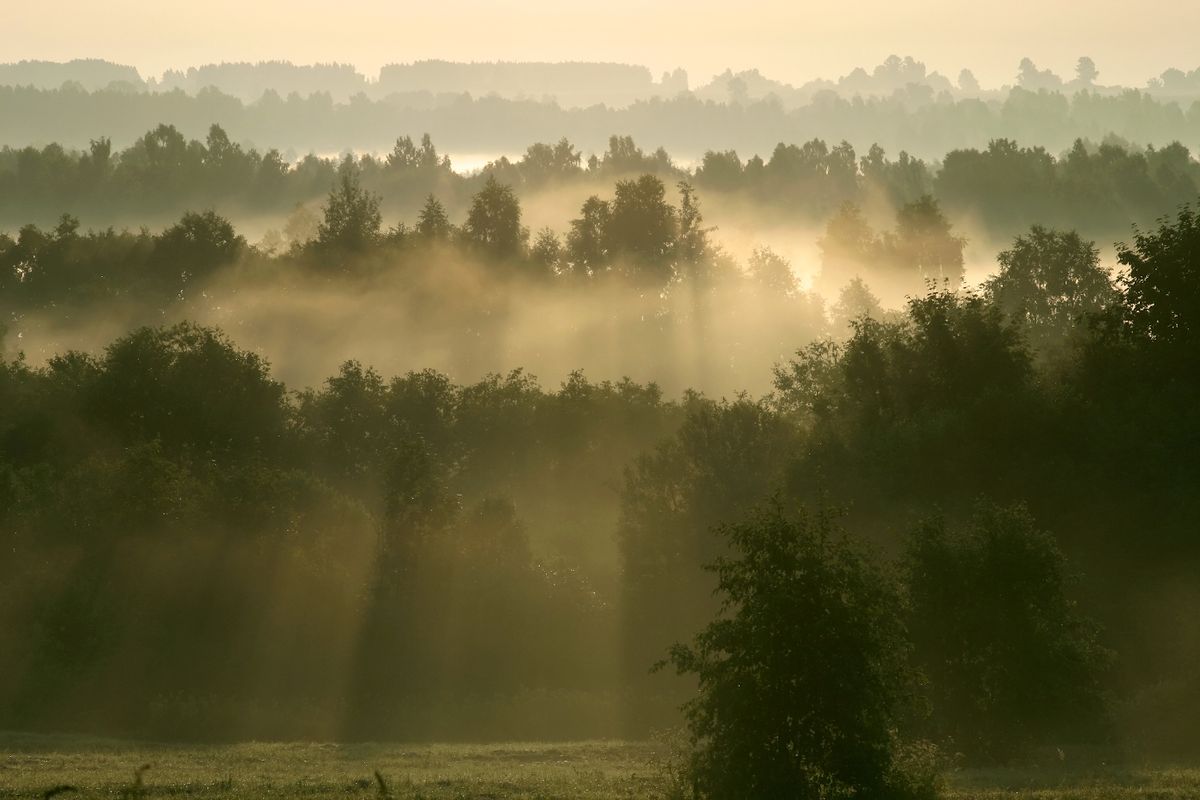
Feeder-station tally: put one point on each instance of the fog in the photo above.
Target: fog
(843, 394)
(458, 315)
(454, 316)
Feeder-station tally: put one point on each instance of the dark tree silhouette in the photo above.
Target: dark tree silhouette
(494, 221)
(352, 220)
(1051, 283)
(801, 677)
(1010, 660)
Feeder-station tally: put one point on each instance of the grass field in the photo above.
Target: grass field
(97, 768)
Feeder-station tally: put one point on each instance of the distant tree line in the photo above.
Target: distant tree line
(637, 237)
(1005, 187)
(913, 118)
(571, 84)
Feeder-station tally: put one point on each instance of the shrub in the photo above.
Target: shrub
(800, 676)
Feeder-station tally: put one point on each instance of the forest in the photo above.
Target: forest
(173, 443)
(857, 468)
(1001, 189)
(499, 109)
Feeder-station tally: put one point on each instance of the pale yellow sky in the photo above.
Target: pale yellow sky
(793, 41)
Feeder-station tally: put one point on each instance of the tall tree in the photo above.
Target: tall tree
(772, 272)
(547, 252)
(432, 222)
(1085, 71)
(642, 230)
(494, 221)
(849, 247)
(692, 249)
(196, 246)
(352, 220)
(925, 246)
(587, 246)
(1049, 282)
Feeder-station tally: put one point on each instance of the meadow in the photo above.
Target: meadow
(34, 766)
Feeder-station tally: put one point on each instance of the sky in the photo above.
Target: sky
(789, 40)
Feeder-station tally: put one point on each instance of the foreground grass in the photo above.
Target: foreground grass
(98, 768)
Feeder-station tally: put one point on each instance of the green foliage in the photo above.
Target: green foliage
(693, 248)
(494, 222)
(547, 252)
(1010, 661)
(273, 551)
(1096, 188)
(196, 246)
(927, 406)
(772, 272)
(848, 247)
(921, 251)
(587, 248)
(1051, 284)
(641, 229)
(434, 545)
(801, 676)
(923, 243)
(432, 222)
(856, 301)
(345, 422)
(723, 460)
(189, 388)
(641, 237)
(352, 220)
(624, 157)
(1162, 289)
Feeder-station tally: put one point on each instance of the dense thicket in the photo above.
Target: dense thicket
(196, 551)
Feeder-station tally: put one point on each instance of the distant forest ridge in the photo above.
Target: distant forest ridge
(570, 84)
(913, 120)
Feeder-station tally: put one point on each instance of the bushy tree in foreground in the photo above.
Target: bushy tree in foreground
(801, 676)
(1162, 288)
(1010, 661)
